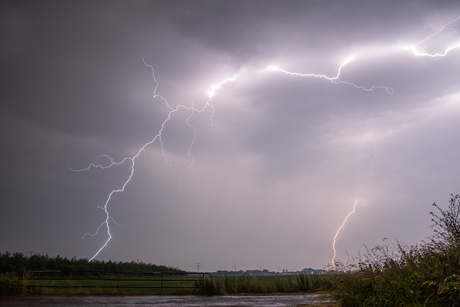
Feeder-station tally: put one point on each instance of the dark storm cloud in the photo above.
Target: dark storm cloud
(292, 155)
(250, 30)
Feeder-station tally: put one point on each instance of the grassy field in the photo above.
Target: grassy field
(217, 285)
(111, 286)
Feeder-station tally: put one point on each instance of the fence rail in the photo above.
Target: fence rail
(113, 280)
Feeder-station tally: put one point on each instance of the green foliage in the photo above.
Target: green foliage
(422, 275)
(229, 285)
(207, 286)
(10, 284)
(447, 224)
(250, 284)
(303, 282)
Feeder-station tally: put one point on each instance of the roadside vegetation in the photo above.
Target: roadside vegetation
(250, 284)
(427, 274)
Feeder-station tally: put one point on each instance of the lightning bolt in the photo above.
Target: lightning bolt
(377, 155)
(214, 88)
(193, 111)
(337, 233)
(335, 80)
(389, 90)
(414, 48)
(159, 137)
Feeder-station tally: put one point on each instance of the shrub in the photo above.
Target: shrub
(447, 224)
(10, 284)
(207, 286)
(423, 275)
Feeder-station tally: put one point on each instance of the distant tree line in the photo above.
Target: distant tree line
(18, 263)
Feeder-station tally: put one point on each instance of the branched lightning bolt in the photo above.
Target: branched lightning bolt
(193, 111)
(158, 136)
(97, 230)
(389, 90)
(335, 80)
(337, 233)
(105, 207)
(211, 94)
(414, 48)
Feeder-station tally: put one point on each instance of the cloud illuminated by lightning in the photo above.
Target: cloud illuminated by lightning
(377, 155)
(456, 45)
(414, 49)
(159, 135)
(389, 90)
(193, 111)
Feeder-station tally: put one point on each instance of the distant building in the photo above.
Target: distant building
(313, 271)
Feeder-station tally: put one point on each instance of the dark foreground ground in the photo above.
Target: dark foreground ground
(167, 301)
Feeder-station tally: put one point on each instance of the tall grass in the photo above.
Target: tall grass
(250, 284)
(427, 274)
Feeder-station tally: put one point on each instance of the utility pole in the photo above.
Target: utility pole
(198, 265)
(235, 267)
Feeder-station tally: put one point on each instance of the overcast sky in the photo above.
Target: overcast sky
(278, 160)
